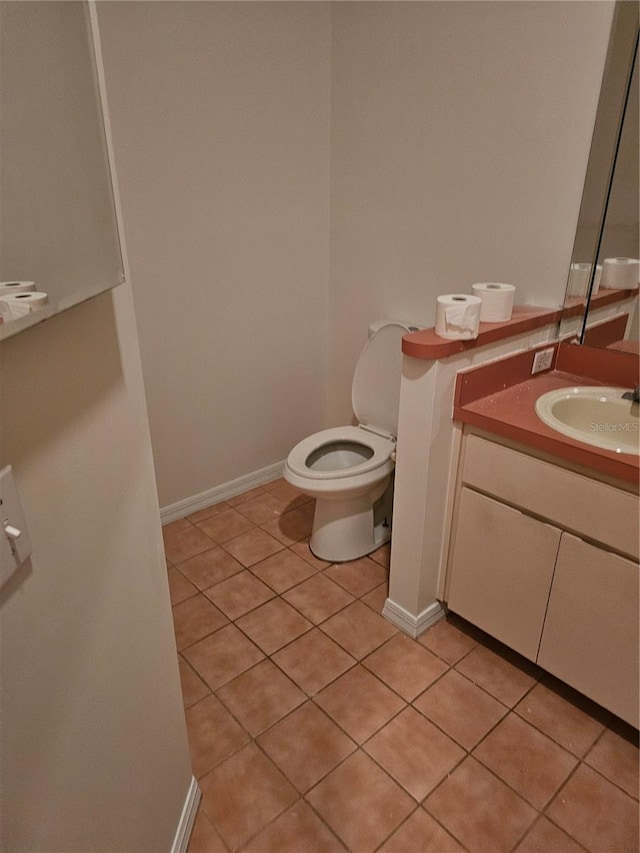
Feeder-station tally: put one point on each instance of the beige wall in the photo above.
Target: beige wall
(293, 171)
(220, 115)
(93, 744)
(459, 140)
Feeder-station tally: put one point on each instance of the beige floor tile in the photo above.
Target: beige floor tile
(298, 830)
(211, 567)
(302, 549)
(414, 752)
(358, 577)
(495, 674)
(222, 656)
(447, 641)
(405, 666)
(182, 540)
(180, 588)
(291, 526)
(528, 761)
(421, 834)
(260, 697)
(283, 490)
(262, 508)
(194, 619)
(193, 688)
(204, 838)
(560, 719)
(479, 810)
(243, 794)
(361, 803)
(213, 734)
(382, 555)
(313, 661)
(273, 625)
(283, 570)
(239, 594)
(545, 837)
(377, 598)
(318, 598)
(225, 525)
(207, 512)
(617, 759)
(306, 745)
(460, 708)
(596, 813)
(252, 547)
(358, 629)
(359, 703)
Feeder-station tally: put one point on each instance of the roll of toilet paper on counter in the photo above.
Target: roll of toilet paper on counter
(7, 287)
(578, 283)
(597, 279)
(16, 305)
(620, 273)
(458, 316)
(497, 301)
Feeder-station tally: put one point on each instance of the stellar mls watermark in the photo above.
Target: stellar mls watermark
(621, 426)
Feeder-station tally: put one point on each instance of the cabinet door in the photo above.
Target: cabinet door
(501, 570)
(590, 637)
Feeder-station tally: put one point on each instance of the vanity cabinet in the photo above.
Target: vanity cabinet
(590, 637)
(502, 570)
(545, 559)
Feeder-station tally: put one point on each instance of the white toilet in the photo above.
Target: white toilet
(349, 470)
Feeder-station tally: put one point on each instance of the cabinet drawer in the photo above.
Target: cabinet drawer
(501, 571)
(590, 636)
(575, 502)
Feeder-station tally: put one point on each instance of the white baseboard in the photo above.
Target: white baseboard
(220, 493)
(407, 622)
(185, 824)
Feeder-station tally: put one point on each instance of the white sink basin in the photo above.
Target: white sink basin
(593, 414)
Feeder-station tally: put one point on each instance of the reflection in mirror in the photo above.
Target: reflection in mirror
(600, 305)
(58, 233)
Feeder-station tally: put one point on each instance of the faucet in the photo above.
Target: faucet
(634, 395)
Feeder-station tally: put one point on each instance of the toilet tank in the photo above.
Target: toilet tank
(375, 391)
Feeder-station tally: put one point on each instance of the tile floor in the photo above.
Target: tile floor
(315, 725)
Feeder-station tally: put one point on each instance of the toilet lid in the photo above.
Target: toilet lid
(375, 392)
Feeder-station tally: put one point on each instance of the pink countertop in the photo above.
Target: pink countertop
(502, 401)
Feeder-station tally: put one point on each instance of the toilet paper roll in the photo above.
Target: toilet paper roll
(620, 273)
(7, 287)
(458, 316)
(578, 280)
(596, 279)
(16, 305)
(497, 301)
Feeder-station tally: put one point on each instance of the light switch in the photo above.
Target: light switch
(15, 546)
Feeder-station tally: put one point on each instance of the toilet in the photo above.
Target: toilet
(349, 470)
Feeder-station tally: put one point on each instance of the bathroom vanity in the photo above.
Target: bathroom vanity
(544, 540)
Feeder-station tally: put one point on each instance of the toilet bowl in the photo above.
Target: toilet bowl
(349, 470)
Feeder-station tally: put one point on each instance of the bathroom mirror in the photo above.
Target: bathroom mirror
(58, 225)
(608, 225)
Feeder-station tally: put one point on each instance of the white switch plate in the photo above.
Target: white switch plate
(542, 360)
(14, 550)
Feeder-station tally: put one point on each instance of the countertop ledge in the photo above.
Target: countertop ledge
(427, 345)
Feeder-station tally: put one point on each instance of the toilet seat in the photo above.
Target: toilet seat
(380, 447)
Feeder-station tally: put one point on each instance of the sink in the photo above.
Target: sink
(593, 414)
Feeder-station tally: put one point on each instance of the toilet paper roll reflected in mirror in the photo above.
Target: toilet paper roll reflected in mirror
(16, 305)
(8, 287)
(458, 316)
(578, 283)
(497, 301)
(620, 273)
